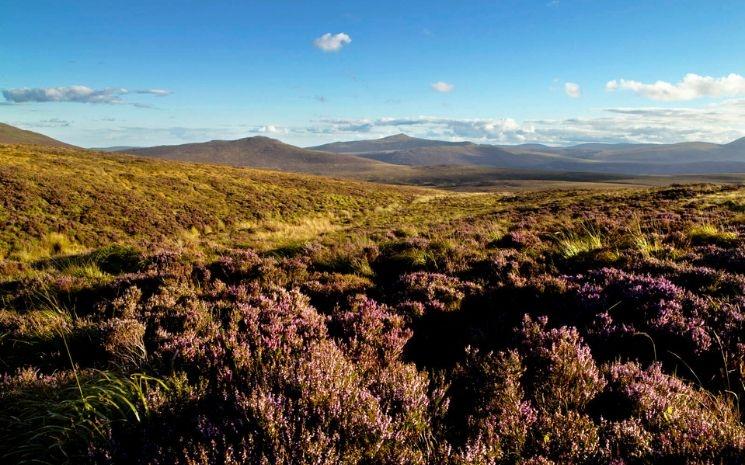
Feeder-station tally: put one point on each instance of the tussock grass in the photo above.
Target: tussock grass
(571, 244)
(710, 233)
(57, 423)
(273, 233)
(648, 243)
(50, 245)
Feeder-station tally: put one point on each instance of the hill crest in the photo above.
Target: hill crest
(13, 135)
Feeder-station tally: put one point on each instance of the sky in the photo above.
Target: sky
(560, 72)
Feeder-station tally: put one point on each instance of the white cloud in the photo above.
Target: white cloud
(332, 42)
(572, 89)
(156, 92)
(270, 129)
(443, 87)
(692, 86)
(721, 122)
(79, 94)
(46, 123)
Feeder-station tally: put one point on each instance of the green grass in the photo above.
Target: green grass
(57, 202)
(710, 233)
(58, 424)
(572, 244)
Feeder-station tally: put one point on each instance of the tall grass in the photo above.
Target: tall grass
(57, 418)
(57, 422)
(573, 243)
(710, 233)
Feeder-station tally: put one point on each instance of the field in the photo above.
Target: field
(158, 312)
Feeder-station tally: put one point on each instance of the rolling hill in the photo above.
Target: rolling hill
(390, 143)
(262, 152)
(100, 198)
(13, 135)
(636, 159)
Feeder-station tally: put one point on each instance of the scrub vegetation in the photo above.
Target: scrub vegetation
(156, 312)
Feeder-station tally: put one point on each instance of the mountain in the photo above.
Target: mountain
(385, 144)
(13, 135)
(463, 154)
(262, 152)
(116, 148)
(636, 159)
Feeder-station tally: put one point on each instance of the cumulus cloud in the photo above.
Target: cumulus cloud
(572, 89)
(443, 87)
(497, 129)
(79, 94)
(270, 129)
(721, 122)
(691, 87)
(332, 42)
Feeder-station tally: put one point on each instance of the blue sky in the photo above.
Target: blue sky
(154, 72)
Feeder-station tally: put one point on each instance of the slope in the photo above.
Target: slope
(13, 135)
(261, 152)
(93, 199)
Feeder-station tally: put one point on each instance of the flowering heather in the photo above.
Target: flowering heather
(403, 328)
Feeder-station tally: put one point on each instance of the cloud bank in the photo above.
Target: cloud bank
(78, 94)
(720, 123)
(332, 42)
(691, 87)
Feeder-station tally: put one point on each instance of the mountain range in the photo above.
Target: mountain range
(636, 159)
(401, 156)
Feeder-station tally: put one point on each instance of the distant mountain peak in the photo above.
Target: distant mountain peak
(256, 139)
(397, 137)
(739, 143)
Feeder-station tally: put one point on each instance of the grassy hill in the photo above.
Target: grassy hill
(156, 311)
(93, 199)
(13, 135)
(262, 152)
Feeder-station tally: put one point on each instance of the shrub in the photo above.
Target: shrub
(561, 370)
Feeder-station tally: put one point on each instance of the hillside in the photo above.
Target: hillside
(13, 135)
(156, 311)
(98, 198)
(261, 152)
(632, 159)
(390, 143)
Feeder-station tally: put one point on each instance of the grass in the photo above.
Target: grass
(58, 202)
(58, 424)
(572, 244)
(710, 233)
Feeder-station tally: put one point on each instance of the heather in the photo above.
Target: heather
(344, 323)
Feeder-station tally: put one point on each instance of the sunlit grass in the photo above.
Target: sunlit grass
(573, 243)
(710, 233)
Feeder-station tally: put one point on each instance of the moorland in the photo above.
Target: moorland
(163, 312)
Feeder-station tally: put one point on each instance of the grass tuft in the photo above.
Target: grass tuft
(708, 233)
